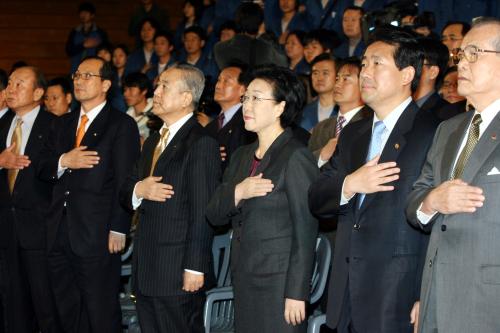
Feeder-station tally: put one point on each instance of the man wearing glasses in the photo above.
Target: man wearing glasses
(456, 199)
(89, 155)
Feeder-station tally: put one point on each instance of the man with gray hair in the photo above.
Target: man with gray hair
(171, 185)
(455, 199)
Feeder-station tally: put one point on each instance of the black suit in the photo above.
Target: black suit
(378, 256)
(435, 104)
(23, 225)
(174, 235)
(273, 236)
(232, 135)
(85, 208)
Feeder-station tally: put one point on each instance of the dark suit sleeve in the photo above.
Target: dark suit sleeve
(301, 171)
(46, 168)
(203, 177)
(125, 153)
(326, 191)
(424, 184)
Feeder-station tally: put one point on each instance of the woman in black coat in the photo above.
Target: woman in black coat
(264, 197)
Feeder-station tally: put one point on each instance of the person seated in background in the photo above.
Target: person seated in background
(449, 86)
(323, 82)
(353, 44)
(58, 96)
(424, 25)
(164, 47)
(294, 49)
(85, 38)
(288, 19)
(143, 58)
(433, 69)
(105, 51)
(119, 61)
(147, 9)
(452, 35)
(137, 92)
(195, 53)
(347, 96)
(318, 42)
(191, 15)
(227, 31)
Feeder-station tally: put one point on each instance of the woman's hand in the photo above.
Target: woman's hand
(295, 311)
(252, 187)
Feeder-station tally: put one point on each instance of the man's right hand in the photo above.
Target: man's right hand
(10, 160)
(371, 177)
(328, 150)
(153, 189)
(453, 196)
(79, 158)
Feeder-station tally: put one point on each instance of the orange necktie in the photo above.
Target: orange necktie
(81, 130)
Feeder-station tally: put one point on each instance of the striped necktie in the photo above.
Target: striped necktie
(339, 126)
(472, 139)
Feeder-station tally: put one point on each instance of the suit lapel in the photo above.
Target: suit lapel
(486, 145)
(70, 130)
(36, 136)
(453, 145)
(96, 128)
(274, 149)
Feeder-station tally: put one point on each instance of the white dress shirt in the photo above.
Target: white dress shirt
(230, 112)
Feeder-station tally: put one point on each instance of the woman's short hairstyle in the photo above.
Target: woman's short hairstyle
(286, 87)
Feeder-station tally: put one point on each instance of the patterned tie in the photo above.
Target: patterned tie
(159, 148)
(472, 140)
(339, 126)
(17, 136)
(81, 130)
(374, 149)
(220, 119)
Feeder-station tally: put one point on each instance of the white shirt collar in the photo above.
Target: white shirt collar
(3, 111)
(29, 118)
(393, 117)
(229, 113)
(92, 114)
(349, 114)
(488, 114)
(175, 127)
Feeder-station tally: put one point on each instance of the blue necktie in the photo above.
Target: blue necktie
(375, 149)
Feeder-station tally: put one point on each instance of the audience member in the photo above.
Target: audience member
(29, 303)
(136, 90)
(192, 12)
(455, 199)
(177, 173)
(58, 96)
(105, 51)
(378, 256)
(323, 82)
(452, 35)
(353, 44)
(294, 49)
(85, 38)
(227, 31)
(288, 19)
(318, 42)
(449, 87)
(148, 9)
(164, 47)
(88, 157)
(144, 57)
(347, 96)
(274, 234)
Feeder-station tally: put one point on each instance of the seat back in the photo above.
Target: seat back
(221, 251)
(322, 259)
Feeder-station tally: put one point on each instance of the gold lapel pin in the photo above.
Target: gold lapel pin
(230, 131)
(95, 134)
(396, 145)
(493, 136)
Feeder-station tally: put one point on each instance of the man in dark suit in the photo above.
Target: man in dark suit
(353, 44)
(435, 63)
(377, 260)
(23, 203)
(88, 157)
(456, 198)
(228, 128)
(175, 177)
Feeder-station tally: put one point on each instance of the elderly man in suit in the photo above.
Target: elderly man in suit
(376, 267)
(456, 199)
(347, 95)
(175, 177)
(88, 157)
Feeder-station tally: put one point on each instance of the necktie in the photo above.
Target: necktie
(220, 119)
(339, 126)
(374, 149)
(472, 139)
(81, 130)
(17, 139)
(159, 148)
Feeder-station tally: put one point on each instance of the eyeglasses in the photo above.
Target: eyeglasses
(83, 76)
(245, 99)
(470, 53)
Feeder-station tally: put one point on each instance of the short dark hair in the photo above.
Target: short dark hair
(351, 62)
(151, 21)
(426, 19)
(106, 71)
(123, 47)
(87, 7)
(465, 26)
(4, 79)
(300, 34)
(436, 54)
(165, 34)
(357, 8)
(324, 57)
(104, 46)
(286, 87)
(407, 50)
(229, 25)
(327, 38)
(198, 31)
(249, 16)
(61, 81)
(244, 77)
(139, 80)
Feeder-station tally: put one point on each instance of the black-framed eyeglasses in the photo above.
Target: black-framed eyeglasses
(83, 76)
(245, 99)
(470, 53)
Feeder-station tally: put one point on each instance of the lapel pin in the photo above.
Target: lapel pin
(40, 136)
(230, 131)
(95, 134)
(396, 145)
(493, 136)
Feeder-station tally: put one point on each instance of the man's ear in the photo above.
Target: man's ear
(106, 85)
(38, 94)
(408, 73)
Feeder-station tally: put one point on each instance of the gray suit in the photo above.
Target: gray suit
(461, 280)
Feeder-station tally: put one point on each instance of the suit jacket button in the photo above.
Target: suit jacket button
(443, 227)
(430, 263)
(69, 170)
(66, 193)
(356, 226)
